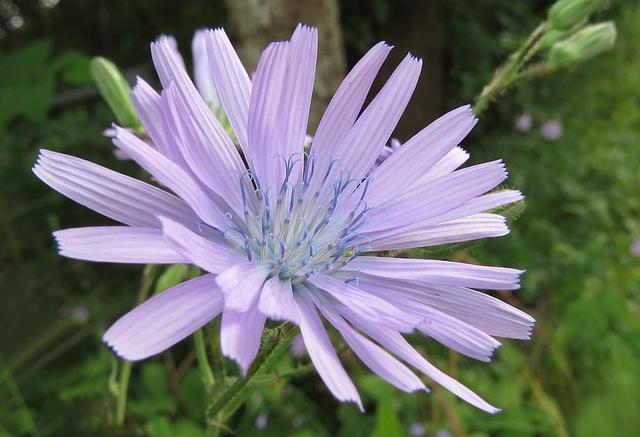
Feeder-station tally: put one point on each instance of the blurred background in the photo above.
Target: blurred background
(571, 142)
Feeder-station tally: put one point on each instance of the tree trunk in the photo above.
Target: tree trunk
(255, 23)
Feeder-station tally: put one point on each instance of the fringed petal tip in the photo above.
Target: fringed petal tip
(127, 356)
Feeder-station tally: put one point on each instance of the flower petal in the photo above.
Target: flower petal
(266, 94)
(279, 106)
(323, 355)
(361, 146)
(241, 285)
(295, 103)
(435, 198)
(373, 356)
(347, 101)
(478, 309)
(395, 343)
(165, 319)
(240, 335)
(231, 80)
(206, 162)
(473, 227)
(415, 157)
(207, 252)
(172, 175)
(436, 272)
(119, 244)
(202, 69)
(112, 194)
(171, 70)
(451, 161)
(367, 305)
(444, 328)
(476, 205)
(277, 301)
(148, 105)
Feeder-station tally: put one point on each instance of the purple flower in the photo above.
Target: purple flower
(635, 247)
(551, 130)
(261, 421)
(417, 430)
(283, 238)
(524, 122)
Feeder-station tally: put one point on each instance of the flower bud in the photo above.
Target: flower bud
(565, 14)
(115, 90)
(582, 45)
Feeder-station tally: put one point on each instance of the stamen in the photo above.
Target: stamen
(300, 234)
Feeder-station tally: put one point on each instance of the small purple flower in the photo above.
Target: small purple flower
(261, 421)
(417, 430)
(635, 247)
(551, 130)
(281, 234)
(524, 122)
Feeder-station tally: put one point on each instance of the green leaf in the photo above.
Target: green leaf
(74, 67)
(387, 423)
(174, 274)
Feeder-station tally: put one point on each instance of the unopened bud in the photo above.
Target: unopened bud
(582, 45)
(550, 38)
(565, 14)
(115, 90)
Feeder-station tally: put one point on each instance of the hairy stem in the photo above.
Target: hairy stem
(507, 74)
(274, 344)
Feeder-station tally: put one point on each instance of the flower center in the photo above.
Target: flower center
(309, 226)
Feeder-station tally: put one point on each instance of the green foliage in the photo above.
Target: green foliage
(29, 78)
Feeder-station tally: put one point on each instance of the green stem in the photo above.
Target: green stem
(203, 360)
(16, 394)
(506, 75)
(217, 361)
(123, 386)
(148, 277)
(274, 345)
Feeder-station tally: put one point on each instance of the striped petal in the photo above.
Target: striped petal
(112, 194)
(206, 162)
(202, 69)
(442, 195)
(368, 306)
(438, 272)
(240, 334)
(373, 356)
(165, 319)
(362, 145)
(279, 106)
(473, 227)
(117, 244)
(231, 80)
(171, 175)
(322, 353)
(208, 252)
(475, 308)
(277, 301)
(395, 343)
(347, 101)
(241, 285)
(170, 70)
(418, 155)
